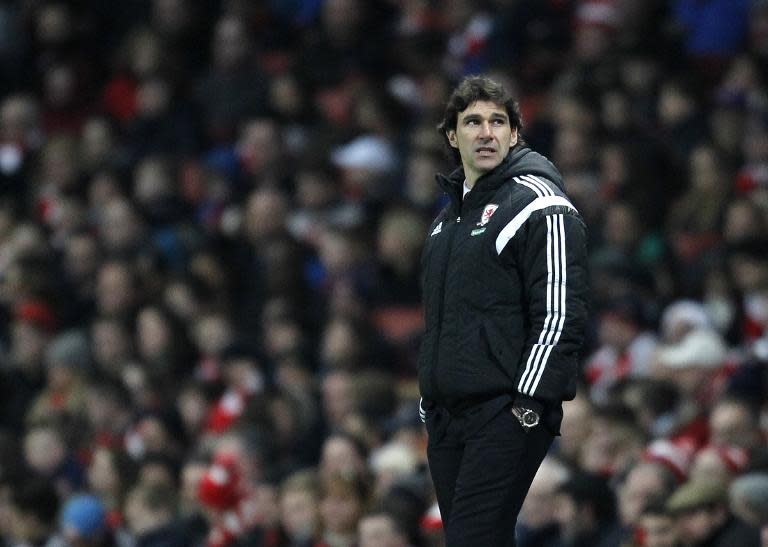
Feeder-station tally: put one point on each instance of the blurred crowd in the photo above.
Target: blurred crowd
(211, 217)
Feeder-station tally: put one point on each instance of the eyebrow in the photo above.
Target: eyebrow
(492, 116)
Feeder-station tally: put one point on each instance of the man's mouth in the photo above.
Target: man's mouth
(485, 151)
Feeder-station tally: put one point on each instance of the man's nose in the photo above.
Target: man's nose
(485, 130)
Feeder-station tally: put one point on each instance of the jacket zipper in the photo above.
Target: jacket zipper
(435, 354)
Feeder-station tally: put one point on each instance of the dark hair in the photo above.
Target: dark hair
(470, 90)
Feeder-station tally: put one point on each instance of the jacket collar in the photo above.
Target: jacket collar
(486, 185)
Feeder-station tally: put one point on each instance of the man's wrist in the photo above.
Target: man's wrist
(527, 417)
(525, 401)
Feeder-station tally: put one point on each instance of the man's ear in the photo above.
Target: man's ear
(515, 137)
(451, 134)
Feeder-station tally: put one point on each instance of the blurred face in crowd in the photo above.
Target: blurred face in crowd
(340, 345)
(81, 257)
(621, 227)
(340, 457)
(299, 513)
(697, 525)
(120, 227)
(642, 484)
(191, 475)
(180, 298)
(212, 333)
(399, 238)
(43, 450)
(114, 289)
(53, 24)
(153, 334)
(659, 530)
(573, 150)
(60, 86)
(483, 137)
(706, 171)
(341, 18)
(420, 184)
(230, 43)
(152, 181)
(193, 409)
(110, 343)
(60, 162)
(732, 424)
(743, 220)
(338, 397)
(260, 145)
(96, 142)
(103, 477)
(286, 95)
(379, 530)
(171, 16)
(28, 345)
(18, 117)
(340, 508)
(674, 105)
(265, 214)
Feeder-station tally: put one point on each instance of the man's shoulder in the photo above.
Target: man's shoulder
(522, 190)
(534, 185)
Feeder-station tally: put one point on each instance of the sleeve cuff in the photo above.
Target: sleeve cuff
(525, 401)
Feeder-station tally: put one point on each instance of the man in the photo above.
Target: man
(504, 290)
(150, 512)
(380, 529)
(657, 527)
(704, 519)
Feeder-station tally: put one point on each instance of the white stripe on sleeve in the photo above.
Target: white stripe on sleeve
(555, 302)
(509, 231)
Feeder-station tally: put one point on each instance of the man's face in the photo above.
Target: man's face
(659, 530)
(379, 531)
(483, 137)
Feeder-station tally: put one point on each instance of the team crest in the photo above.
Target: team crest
(487, 214)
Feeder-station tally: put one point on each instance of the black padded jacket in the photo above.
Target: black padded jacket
(504, 287)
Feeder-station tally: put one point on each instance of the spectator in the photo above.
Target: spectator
(538, 523)
(150, 512)
(748, 501)
(643, 484)
(300, 518)
(585, 511)
(657, 526)
(380, 530)
(701, 511)
(343, 500)
(83, 522)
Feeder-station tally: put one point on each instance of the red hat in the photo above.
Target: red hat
(37, 313)
(674, 457)
(226, 412)
(220, 488)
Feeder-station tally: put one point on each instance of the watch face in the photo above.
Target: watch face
(530, 418)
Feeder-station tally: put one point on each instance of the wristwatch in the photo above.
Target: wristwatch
(528, 418)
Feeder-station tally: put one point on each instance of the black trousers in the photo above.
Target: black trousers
(482, 464)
